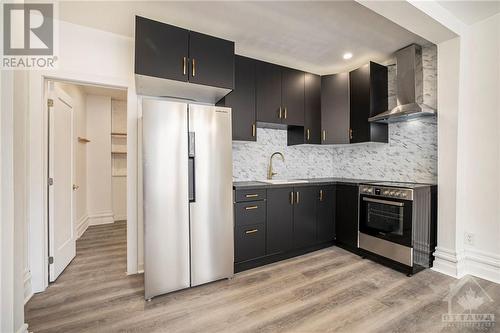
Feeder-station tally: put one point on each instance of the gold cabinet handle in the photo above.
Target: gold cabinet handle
(193, 71)
(184, 65)
(324, 135)
(285, 113)
(291, 198)
(297, 199)
(253, 130)
(350, 133)
(279, 115)
(251, 207)
(251, 231)
(308, 135)
(320, 195)
(251, 195)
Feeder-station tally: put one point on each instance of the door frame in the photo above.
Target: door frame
(38, 170)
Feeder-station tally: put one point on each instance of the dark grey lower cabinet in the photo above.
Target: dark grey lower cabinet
(279, 220)
(326, 214)
(346, 223)
(250, 241)
(304, 217)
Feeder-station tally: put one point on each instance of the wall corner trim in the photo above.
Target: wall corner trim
(28, 290)
(449, 262)
(82, 225)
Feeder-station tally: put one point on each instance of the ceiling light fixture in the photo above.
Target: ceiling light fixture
(347, 55)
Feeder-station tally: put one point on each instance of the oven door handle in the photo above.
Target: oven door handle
(385, 202)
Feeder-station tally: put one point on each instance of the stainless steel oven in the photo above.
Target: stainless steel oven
(385, 222)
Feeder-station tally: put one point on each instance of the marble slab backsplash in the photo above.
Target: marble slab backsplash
(410, 155)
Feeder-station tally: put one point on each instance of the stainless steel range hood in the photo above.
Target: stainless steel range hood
(409, 88)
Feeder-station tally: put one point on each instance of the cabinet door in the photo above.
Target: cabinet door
(346, 223)
(242, 100)
(326, 214)
(359, 91)
(161, 50)
(304, 217)
(335, 108)
(292, 96)
(312, 109)
(268, 90)
(279, 220)
(250, 242)
(211, 61)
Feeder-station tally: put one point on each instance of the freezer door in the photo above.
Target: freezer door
(165, 195)
(211, 212)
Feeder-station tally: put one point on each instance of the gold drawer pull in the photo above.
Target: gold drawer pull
(251, 207)
(251, 231)
(251, 195)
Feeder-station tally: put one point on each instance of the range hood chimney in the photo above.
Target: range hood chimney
(409, 88)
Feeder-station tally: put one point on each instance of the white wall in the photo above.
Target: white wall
(77, 95)
(478, 155)
(99, 195)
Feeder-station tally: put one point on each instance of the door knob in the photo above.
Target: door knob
(75, 187)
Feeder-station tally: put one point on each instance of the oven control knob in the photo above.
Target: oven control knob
(397, 193)
(385, 192)
(392, 192)
(404, 195)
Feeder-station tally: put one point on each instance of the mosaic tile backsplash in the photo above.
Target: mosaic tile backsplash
(410, 155)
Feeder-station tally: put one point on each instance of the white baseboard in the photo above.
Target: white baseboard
(471, 262)
(23, 328)
(140, 268)
(120, 217)
(81, 226)
(28, 291)
(482, 264)
(101, 218)
(449, 262)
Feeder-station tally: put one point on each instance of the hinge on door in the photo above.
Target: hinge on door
(50, 102)
(51, 260)
(50, 181)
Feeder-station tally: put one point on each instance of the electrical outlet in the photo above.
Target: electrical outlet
(469, 238)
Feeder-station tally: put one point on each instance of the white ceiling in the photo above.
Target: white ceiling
(311, 36)
(471, 12)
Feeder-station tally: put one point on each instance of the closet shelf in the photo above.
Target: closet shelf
(83, 140)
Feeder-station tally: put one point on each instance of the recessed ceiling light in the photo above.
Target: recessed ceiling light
(347, 55)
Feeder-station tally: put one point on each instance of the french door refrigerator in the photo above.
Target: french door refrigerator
(187, 195)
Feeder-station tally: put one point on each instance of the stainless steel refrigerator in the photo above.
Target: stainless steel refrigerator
(187, 195)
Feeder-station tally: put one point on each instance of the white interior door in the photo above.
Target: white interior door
(62, 240)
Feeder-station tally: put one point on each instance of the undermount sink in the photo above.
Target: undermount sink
(283, 181)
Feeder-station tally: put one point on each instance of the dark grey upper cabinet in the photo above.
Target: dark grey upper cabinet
(168, 52)
(304, 217)
(279, 225)
(268, 92)
(368, 97)
(211, 61)
(335, 108)
(161, 50)
(279, 94)
(242, 100)
(312, 109)
(326, 213)
(292, 96)
(310, 133)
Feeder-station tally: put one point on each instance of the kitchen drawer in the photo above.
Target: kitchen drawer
(250, 242)
(251, 212)
(249, 195)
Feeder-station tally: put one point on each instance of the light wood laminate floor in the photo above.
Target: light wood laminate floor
(330, 290)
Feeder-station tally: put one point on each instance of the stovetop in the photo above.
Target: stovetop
(398, 184)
